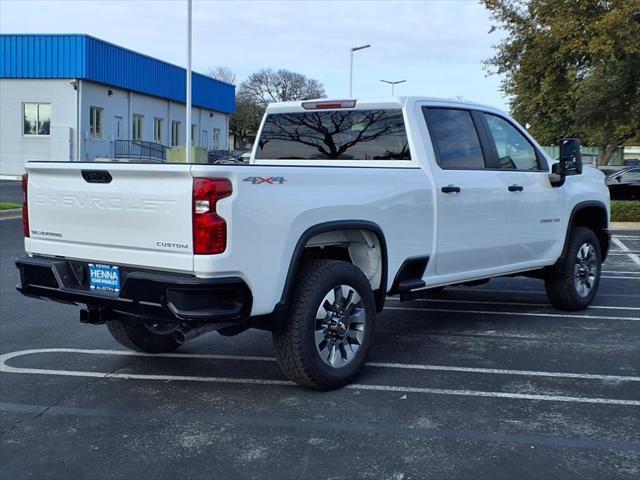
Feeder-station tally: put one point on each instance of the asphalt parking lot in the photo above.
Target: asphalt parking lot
(485, 382)
(10, 191)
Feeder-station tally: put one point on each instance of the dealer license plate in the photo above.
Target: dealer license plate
(104, 277)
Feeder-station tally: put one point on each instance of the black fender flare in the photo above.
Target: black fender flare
(574, 211)
(296, 257)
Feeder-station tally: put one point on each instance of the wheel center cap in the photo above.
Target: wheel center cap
(339, 325)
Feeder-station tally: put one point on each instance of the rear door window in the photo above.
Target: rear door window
(334, 135)
(455, 139)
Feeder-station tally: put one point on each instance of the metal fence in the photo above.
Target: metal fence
(138, 149)
(589, 155)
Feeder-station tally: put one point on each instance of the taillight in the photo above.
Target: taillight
(25, 205)
(209, 229)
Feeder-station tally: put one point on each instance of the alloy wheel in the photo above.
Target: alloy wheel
(341, 322)
(585, 269)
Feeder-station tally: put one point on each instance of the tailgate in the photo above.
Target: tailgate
(141, 216)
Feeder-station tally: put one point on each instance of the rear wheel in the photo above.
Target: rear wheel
(324, 342)
(143, 336)
(573, 282)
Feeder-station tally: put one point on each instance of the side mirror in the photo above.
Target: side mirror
(570, 157)
(569, 161)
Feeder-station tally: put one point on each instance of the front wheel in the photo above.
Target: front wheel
(324, 342)
(573, 282)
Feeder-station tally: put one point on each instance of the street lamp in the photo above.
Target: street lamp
(353, 49)
(393, 84)
(187, 143)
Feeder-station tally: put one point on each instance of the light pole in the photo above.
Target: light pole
(188, 100)
(353, 49)
(393, 84)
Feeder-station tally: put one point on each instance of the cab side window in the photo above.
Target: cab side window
(514, 150)
(455, 139)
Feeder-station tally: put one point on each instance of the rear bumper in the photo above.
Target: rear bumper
(144, 293)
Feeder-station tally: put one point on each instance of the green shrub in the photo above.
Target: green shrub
(9, 206)
(625, 210)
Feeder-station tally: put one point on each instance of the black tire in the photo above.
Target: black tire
(560, 282)
(295, 343)
(135, 334)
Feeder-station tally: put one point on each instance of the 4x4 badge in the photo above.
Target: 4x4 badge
(267, 180)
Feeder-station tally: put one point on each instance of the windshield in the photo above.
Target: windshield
(335, 135)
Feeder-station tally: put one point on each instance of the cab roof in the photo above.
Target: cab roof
(373, 103)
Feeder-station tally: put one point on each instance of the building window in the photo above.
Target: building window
(194, 134)
(119, 128)
(36, 119)
(138, 124)
(216, 139)
(158, 124)
(95, 121)
(175, 133)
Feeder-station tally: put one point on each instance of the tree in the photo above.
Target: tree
(244, 123)
(224, 74)
(268, 86)
(264, 87)
(571, 67)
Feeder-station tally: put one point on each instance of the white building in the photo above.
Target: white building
(74, 97)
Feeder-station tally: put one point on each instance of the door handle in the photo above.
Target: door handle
(450, 189)
(96, 176)
(516, 188)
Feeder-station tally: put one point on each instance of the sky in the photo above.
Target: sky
(437, 46)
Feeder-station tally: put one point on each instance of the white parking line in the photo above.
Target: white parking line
(256, 381)
(520, 304)
(524, 314)
(501, 371)
(621, 272)
(475, 393)
(624, 248)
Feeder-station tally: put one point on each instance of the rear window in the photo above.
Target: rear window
(334, 135)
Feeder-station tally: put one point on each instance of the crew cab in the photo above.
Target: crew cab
(343, 203)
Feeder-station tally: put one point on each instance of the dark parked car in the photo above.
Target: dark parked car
(624, 184)
(224, 156)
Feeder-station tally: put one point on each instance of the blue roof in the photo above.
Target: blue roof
(88, 58)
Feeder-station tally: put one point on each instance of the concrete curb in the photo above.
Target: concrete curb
(13, 213)
(625, 226)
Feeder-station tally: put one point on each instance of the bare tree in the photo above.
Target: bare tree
(268, 86)
(224, 74)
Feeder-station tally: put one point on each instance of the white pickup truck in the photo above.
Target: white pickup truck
(343, 203)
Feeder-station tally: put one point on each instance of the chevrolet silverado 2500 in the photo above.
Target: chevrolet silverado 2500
(343, 203)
